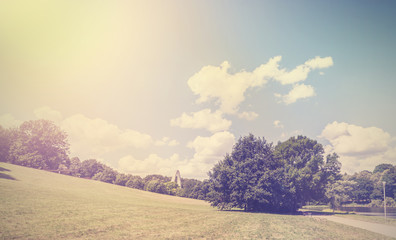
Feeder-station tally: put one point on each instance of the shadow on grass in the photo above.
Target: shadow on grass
(6, 176)
(302, 213)
(4, 169)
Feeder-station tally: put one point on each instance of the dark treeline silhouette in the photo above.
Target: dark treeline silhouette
(255, 176)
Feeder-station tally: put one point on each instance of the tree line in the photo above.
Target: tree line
(254, 176)
(43, 145)
(258, 176)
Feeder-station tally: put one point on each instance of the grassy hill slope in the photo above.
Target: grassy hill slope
(37, 204)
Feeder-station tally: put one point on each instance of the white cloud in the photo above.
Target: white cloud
(278, 124)
(92, 138)
(173, 143)
(95, 137)
(165, 141)
(319, 62)
(153, 164)
(299, 91)
(359, 148)
(7, 120)
(216, 83)
(211, 149)
(205, 119)
(300, 73)
(250, 116)
(208, 151)
(48, 113)
(286, 135)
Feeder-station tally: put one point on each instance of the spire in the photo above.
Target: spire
(177, 178)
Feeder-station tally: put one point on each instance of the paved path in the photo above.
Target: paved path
(387, 230)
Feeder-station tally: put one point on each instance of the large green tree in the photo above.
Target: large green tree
(243, 179)
(339, 192)
(40, 144)
(364, 188)
(389, 177)
(305, 173)
(257, 177)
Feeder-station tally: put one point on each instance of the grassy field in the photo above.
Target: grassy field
(37, 204)
(351, 215)
(373, 219)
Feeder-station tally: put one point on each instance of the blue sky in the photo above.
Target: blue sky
(154, 86)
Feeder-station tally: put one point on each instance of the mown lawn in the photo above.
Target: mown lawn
(37, 204)
(372, 219)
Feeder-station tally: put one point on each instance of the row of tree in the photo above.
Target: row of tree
(365, 188)
(43, 145)
(255, 176)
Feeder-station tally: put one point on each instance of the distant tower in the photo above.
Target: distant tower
(177, 178)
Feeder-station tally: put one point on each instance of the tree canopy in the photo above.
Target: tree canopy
(40, 144)
(255, 176)
(258, 177)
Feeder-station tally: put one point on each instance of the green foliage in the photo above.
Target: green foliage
(193, 188)
(91, 167)
(390, 202)
(121, 179)
(257, 177)
(364, 187)
(75, 167)
(171, 188)
(303, 167)
(135, 182)
(389, 176)
(156, 186)
(39, 144)
(382, 167)
(339, 192)
(107, 175)
(161, 178)
(332, 168)
(64, 207)
(7, 136)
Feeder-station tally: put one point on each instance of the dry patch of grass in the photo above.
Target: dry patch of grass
(42, 205)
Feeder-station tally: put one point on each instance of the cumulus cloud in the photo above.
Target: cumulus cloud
(300, 73)
(7, 120)
(205, 119)
(278, 124)
(94, 137)
(48, 113)
(319, 62)
(165, 141)
(211, 149)
(250, 116)
(360, 148)
(228, 90)
(213, 82)
(153, 164)
(208, 151)
(299, 91)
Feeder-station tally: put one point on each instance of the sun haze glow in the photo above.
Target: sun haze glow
(154, 86)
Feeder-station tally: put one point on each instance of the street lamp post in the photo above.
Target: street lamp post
(383, 184)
